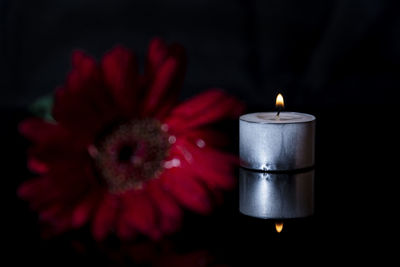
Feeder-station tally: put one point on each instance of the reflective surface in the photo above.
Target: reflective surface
(276, 195)
(354, 203)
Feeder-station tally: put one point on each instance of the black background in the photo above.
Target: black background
(338, 60)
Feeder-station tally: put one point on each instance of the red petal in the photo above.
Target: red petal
(105, 216)
(57, 226)
(206, 108)
(40, 131)
(74, 113)
(124, 230)
(57, 150)
(163, 86)
(170, 212)
(192, 259)
(64, 185)
(39, 192)
(33, 187)
(166, 81)
(84, 64)
(139, 211)
(214, 168)
(121, 76)
(181, 183)
(52, 143)
(156, 55)
(37, 166)
(50, 214)
(143, 253)
(207, 137)
(83, 210)
(84, 103)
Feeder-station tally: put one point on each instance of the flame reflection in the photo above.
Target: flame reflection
(279, 227)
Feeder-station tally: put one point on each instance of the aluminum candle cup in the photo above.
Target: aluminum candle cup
(277, 143)
(276, 195)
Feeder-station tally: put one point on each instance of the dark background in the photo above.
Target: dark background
(339, 60)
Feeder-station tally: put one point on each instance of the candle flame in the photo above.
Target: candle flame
(279, 101)
(279, 227)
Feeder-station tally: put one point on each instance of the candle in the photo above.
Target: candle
(276, 180)
(277, 141)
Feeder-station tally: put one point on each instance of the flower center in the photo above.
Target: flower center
(131, 154)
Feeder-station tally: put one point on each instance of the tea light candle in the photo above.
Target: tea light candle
(277, 141)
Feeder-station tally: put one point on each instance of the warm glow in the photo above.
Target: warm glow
(279, 226)
(279, 101)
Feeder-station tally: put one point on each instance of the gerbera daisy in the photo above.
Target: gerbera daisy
(121, 154)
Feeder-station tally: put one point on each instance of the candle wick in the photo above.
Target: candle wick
(279, 111)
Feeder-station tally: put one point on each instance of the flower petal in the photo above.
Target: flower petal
(52, 143)
(120, 72)
(84, 210)
(33, 187)
(206, 108)
(39, 130)
(166, 83)
(124, 230)
(207, 137)
(59, 185)
(156, 55)
(170, 212)
(183, 186)
(51, 213)
(37, 166)
(140, 213)
(57, 225)
(39, 192)
(83, 103)
(214, 168)
(105, 216)
(56, 152)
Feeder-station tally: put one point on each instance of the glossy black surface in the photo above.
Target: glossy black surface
(351, 221)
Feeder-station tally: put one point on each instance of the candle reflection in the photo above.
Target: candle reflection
(276, 195)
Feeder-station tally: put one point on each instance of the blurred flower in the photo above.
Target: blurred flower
(200, 258)
(120, 154)
(167, 256)
(159, 254)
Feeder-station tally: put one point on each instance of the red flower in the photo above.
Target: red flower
(121, 155)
